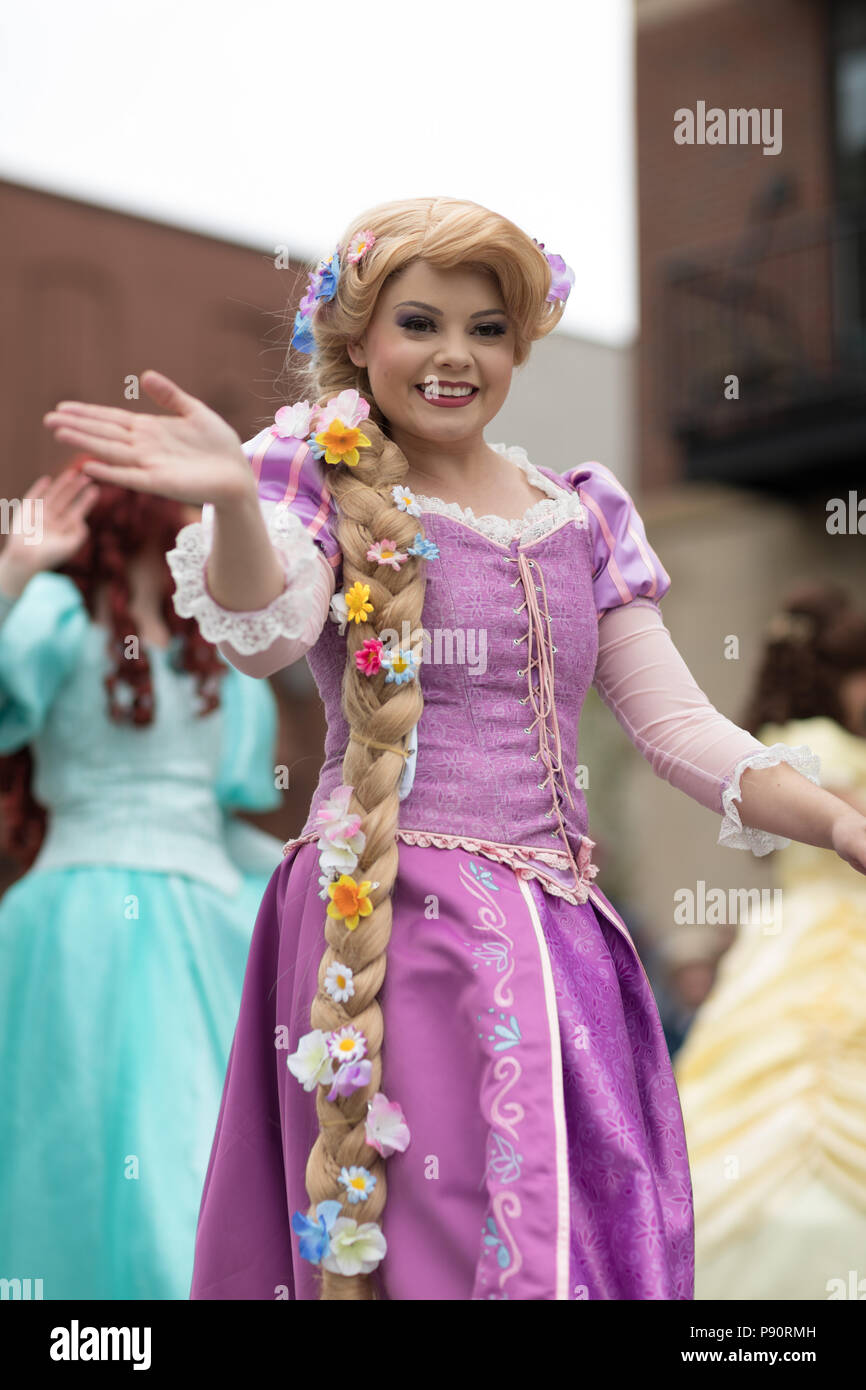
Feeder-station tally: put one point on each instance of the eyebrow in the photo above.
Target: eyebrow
(416, 303)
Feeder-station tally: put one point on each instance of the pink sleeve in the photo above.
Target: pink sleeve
(625, 566)
(643, 680)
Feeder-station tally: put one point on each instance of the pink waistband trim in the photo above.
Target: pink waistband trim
(526, 861)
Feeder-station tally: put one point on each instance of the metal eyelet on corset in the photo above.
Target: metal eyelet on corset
(533, 757)
(521, 673)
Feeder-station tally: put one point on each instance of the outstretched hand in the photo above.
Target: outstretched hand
(192, 454)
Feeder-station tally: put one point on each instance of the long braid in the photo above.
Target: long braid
(386, 713)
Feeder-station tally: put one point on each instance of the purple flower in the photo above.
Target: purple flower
(351, 1076)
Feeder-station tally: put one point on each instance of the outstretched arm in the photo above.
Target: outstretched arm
(644, 681)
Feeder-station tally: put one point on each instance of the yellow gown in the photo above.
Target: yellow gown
(772, 1075)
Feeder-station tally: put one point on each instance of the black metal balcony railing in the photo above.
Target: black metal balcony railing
(784, 313)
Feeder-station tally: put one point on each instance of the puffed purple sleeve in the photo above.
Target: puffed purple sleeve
(301, 519)
(625, 566)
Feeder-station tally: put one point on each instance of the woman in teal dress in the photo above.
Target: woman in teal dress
(123, 945)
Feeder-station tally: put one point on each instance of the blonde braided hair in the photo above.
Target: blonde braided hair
(446, 232)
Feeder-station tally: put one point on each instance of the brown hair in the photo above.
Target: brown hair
(121, 524)
(446, 232)
(815, 640)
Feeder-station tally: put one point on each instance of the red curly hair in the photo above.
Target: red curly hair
(122, 525)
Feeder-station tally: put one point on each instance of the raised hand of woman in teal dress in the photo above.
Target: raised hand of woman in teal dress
(191, 454)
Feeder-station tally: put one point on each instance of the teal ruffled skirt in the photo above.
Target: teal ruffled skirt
(119, 994)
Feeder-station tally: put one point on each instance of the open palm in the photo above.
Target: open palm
(191, 455)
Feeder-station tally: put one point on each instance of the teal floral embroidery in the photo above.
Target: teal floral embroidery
(509, 1034)
(484, 875)
(503, 1256)
(490, 953)
(504, 1163)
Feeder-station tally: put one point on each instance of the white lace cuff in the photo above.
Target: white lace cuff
(733, 833)
(253, 630)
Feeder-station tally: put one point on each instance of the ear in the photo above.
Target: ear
(357, 354)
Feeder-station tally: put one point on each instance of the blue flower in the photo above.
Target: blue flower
(316, 449)
(329, 272)
(302, 338)
(314, 1236)
(427, 550)
(400, 665)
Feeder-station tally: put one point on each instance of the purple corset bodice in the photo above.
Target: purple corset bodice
(510, 647)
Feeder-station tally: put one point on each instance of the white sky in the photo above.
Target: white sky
(273, 123)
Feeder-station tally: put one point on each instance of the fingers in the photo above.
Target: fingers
(103, 449)
(66, 409)
(167, 393)
(87, 418)
(119, 476)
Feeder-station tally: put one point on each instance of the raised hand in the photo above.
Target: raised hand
(191, 455)
(65, 502)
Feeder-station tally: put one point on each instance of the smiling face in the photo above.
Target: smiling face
(432, 329)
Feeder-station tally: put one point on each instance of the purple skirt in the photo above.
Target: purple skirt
(521, 1038)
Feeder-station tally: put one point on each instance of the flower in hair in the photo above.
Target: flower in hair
(369, 659)
(400, 664)
(349, 406)
(404, 500)
(315, 1236)
(359, 246)
(357, 602)
(386, 1129)
(351, 1076)
(294, 421)
(321, 284)
(338, 611)
(339, 982)
(312, 1063)
(328, 273)
(341, 828)
(354, 1249)
(427, 550)
(302, 336)
(347, 1044)
(358, 1182)
(561, 275)
(384, 552)
(349, 901)
(341, 443)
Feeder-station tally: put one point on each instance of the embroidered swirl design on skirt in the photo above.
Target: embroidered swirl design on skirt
(504, 1160)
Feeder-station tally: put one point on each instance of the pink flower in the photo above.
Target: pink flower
(351, 1076)
(562, 278)
(340, 824)
(385, 552)
(369, 658)
(293, 421)
(359, 246)
(349, 406)
(386, 1129)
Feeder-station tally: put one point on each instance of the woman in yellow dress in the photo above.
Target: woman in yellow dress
(772, 1075)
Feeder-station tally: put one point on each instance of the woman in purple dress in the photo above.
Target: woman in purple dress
(448, 1078)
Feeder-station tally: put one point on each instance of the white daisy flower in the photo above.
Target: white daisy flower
(405, 500)
(358, 1182)
(339, 982)
(347, 1044)
(312, 1064)
(354, 1249)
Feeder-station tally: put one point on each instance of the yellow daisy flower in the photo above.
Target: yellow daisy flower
(356, 602)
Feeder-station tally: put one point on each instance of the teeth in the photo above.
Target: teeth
(456, 390)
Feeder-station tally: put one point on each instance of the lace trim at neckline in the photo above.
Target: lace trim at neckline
(559, 501)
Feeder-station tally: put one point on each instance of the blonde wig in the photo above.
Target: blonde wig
(446, 232)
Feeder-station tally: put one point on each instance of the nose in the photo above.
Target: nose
(452, 350)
